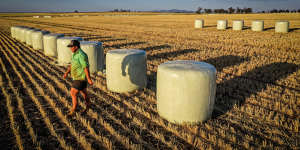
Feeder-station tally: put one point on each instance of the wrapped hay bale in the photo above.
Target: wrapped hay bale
(199, 23)
(28, 36)
(282, 27)
(257, 25)
(237, 25)
(126, 70)
(37, 39)
(186, 90)
(50, 44)
(222, 24)
(95, 53)
(64, 53)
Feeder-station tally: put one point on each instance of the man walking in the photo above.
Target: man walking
(80, 74)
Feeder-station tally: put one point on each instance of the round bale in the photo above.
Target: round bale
(13, 31)
(95, 53)
(126, 70)
(18, 33)
(257, 25)
(199, 23)
(64, 53)
(28, 36)
(237, 25)
(222, 24)
(282, 27)
(50, 44)
(186, 91)
(22, 33)
(37, 39)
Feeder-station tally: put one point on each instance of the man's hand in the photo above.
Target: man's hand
(65, 75)
(90, 82)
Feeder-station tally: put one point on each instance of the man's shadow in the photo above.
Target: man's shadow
(235, 91)
(136, 69)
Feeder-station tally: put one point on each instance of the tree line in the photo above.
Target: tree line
(238, 10)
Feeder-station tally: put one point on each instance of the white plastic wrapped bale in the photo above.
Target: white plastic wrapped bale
(64, 53)
(237, 25)
(50, 44)
(199, 23)
(95, 54)
(186, 91)
(257, 25)
(222, 24)
(126, 70)
(37, 39)
(22, 33)
(18, 32)
(282, 27)
(13, 30)
(28, 36)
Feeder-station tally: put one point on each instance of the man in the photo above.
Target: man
(80, 74)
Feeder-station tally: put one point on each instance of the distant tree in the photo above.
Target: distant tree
(198, 11)
(274, 11)
(76, 11)
(287, 11)
(116, 10)
(231, 10)
(238, 10)
(208, 11)
(247, 10)
(263, 12)
(298, 10)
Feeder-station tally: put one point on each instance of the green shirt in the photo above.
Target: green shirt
(79, 62)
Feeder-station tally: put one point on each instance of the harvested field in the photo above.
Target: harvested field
(258, 85)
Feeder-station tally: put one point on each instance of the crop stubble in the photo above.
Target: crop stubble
(256, 102)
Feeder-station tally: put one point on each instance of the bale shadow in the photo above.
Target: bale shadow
(171, 54)
(270, 28)
(124, 44)
(235, 91)
(293, 29)
(219, 63)
(95, 37)
(112, 40)
(151, 48)
(246, 28)
(210, 26)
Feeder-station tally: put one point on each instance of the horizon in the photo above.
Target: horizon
(32, 6)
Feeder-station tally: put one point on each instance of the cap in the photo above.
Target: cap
(74, 43)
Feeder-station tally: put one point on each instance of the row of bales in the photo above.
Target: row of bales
(257, 25)
(185, 88)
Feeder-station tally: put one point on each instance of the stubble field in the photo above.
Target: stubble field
(258, 85)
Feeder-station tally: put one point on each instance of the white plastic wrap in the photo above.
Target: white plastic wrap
(282, 27)
(22, 32)
(18, 32)
(37, 39)
(237, 25)
(28, 36)
(95, 52)
(186, 90)
(126, 70)
(50, 44)
(199, 23)
(12, 31)
(257, 25)
(64, 54)
(222, 24)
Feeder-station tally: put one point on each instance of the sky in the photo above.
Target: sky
(140, 5)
